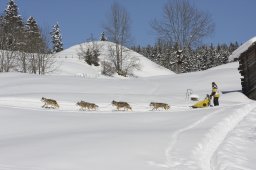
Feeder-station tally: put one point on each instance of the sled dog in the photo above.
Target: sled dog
(119, 105)
(49, 103)
(159, 105)
(86, 105)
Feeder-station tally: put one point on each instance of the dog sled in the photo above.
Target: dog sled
(203, 103)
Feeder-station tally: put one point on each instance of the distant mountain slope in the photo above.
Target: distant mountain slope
(68, 62)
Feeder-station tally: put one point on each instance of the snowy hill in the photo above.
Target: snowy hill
(68, 62)
(214, 138)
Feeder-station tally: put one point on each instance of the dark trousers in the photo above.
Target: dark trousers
(216, 101)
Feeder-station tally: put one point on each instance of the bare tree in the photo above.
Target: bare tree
(127, 62)
(118, 31)
(7, 60)
(183, 24)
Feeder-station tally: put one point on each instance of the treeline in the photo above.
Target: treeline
(187, 60)
(24, 47)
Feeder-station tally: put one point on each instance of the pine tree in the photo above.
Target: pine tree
(56, 39)
(33, 36)
(12, 16)
(35, 46)
(88, 57)
(103, 38)
(13, 25)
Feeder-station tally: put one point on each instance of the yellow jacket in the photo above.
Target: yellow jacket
(215, 92)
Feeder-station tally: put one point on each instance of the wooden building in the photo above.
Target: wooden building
(247, 68)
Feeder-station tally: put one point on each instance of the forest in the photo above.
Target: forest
(26, 47)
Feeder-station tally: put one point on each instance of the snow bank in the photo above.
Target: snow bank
(194, 147)
(237, 151)
(215, 137)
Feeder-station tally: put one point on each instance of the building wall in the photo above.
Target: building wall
(247, 68)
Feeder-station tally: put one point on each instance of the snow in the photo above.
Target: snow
(68, 62)
(242, 49)
(182, 138)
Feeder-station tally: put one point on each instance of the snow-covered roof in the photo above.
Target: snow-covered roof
(242, 49)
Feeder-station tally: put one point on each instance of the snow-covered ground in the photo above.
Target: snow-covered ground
(182, 138)
(214, 138)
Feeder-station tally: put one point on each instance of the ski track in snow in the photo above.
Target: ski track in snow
(202, 155)
(235, 151)
(216, 135)
(173, 159)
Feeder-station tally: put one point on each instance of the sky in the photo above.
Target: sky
(79, 19)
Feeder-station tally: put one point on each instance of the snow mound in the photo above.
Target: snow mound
(68, 62)
(242, 49)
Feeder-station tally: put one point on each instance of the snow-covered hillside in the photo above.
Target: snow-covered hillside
(68, 63)
(214, 138)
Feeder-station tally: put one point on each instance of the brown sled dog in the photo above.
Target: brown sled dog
(86, 105)
(159, 105)
(119, 105)
(49, 103)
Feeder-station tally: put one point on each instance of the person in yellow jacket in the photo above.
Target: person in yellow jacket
(215, 94)
(204, 103)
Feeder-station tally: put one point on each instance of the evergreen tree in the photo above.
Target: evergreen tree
(56, 39)
(35, 47)
(103, 38)
(33, 36)
(201, 58)
(13, 26)
(12, 16)
(88, 56)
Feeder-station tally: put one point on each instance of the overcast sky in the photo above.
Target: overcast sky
(78, 19)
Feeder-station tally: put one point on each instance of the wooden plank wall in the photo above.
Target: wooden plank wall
(247, 69)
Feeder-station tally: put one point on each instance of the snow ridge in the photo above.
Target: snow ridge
(175, 158)
(205, 151)
(231, 153)
(203, 156)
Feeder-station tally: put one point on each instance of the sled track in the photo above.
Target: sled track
(173, 159)
(67, 106)
(204, 151)
(200, 156)
(241, 138)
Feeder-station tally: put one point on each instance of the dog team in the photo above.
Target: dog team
(50, 103)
